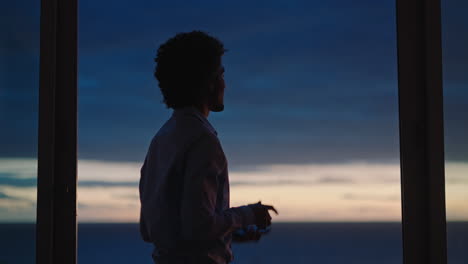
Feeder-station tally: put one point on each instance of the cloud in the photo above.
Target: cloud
(274, 182)
(18, 182)
(5, 196)
(334, 180)
(107, 184)
(371, 197)
(132, 197)
(6, 175)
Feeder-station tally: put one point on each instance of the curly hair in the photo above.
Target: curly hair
(184, 65)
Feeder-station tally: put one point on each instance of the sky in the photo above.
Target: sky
(311, 117)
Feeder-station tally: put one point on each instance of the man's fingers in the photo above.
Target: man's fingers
(269, 207)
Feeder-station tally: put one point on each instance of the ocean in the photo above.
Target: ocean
(324, 243)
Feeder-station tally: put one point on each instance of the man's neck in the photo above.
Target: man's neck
(204, 110)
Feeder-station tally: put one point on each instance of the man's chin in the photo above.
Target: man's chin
(217, 108)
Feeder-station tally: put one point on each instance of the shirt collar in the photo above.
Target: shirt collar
(192, 111)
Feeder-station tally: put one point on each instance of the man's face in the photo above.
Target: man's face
(217, 95)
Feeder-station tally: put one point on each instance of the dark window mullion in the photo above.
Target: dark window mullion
(56, 187)
(421, 131)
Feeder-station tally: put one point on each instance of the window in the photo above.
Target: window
(310, 124)
(19, 81)
(411, 19)
(454, 29)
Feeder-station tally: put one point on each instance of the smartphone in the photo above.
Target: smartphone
(243, 232)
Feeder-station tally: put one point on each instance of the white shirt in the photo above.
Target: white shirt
(184, 191)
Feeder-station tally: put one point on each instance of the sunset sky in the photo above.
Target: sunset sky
(311, 119)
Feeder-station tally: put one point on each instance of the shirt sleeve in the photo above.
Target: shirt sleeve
(144, 229)
(205, 164)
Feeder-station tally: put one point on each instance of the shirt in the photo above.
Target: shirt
(184, 191)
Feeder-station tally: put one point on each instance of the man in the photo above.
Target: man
(184, 185)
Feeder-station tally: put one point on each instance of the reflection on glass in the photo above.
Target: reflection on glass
(19, 81)
(455, 62)
(310, 124)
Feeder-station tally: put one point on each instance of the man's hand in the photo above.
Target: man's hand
(262, 216)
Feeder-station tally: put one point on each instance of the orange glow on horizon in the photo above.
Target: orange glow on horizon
(357, 192)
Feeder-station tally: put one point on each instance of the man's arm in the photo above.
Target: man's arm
(205, 163)
(144, 229)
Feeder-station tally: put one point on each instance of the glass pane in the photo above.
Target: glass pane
(455, 62)
(310, 124)
(19, 82)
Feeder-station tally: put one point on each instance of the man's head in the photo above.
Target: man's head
(190, 72)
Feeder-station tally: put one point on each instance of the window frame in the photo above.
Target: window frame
(56, 230)
(421, 131)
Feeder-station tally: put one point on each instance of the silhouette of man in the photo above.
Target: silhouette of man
(184, 184)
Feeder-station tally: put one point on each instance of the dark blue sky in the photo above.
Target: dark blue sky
(307, 81)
